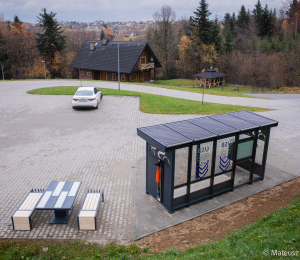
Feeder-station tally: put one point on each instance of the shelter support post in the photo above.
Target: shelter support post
(213, 162)
(235, 148)
(147, 168)
(253, 156)
(265, 153)
(171, 209)
(189, 174)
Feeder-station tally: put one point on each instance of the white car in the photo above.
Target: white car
(87, 97)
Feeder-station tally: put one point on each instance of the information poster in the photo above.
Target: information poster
(225, 155)
(203, 164)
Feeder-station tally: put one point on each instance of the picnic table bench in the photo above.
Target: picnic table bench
(21, 219)
(89, 209)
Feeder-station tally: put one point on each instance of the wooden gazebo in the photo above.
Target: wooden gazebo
(210, 78)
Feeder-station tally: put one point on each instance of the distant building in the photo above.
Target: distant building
(98, 60)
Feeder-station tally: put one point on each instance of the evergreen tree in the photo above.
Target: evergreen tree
(226, 20)
(215, 37)
(293, 9)
(266, 26)
(17, 22)
(51, 40)
(229, 31)
(228, 45)
(257, 12)
(102, 35)
(243, 18)
(200, 22)
(232, 25)
(3, 54)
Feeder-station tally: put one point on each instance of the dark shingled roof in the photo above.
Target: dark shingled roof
(183, 133)
(210, 74)
(105, 57)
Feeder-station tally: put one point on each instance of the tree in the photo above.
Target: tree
(51, 40)
(200, 22)
(17, 22)
(59, 68)
(17, 48)
(162, 37)
(266, 25)
(229, 32)
(102, 35)
(293, 14)
(257, 12)
(294, 9)
(228, 45)
(257, 15)
(184, 63)
(243, 18)
(208, 54)
(215, 36)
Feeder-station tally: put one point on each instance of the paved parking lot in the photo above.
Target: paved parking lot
(43, 139)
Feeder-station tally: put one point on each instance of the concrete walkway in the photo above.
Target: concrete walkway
(43, 139)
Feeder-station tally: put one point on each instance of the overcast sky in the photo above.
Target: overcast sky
(118, 10)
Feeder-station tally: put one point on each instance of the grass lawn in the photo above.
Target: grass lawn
(269, 238)
(228, 90)
(156, 104)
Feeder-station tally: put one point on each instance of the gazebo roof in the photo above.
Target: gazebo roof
(210, 74)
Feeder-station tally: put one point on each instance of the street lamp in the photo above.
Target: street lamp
(119, 55)
(2, 70)
(129, 25)
(44, 69)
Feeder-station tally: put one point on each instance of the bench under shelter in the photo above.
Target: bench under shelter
(192, 160)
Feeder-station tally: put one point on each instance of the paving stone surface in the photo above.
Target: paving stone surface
(151, 216)
(43, 139)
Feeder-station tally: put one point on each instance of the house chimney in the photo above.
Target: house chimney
(92, 46)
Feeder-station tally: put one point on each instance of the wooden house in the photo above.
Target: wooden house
(98, 60)
(210, 78)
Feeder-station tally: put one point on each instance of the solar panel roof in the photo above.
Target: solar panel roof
(253, 118)
(188, 131)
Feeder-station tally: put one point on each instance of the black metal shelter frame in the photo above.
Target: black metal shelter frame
(203, 157)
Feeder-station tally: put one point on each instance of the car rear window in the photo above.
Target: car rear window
(84, 93)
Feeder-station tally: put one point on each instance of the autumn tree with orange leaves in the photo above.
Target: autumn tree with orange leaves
(17, 48)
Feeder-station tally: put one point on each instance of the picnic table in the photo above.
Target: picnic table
(59, 196)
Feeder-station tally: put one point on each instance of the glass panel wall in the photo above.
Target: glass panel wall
(201, 166)
(244, 158)
(180, 172)
(224, 155)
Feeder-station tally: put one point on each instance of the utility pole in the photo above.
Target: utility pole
(45, 69)
(2, 70)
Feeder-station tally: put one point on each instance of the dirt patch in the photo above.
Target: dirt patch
(217, 224)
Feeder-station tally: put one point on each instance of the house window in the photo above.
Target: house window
(133, 76)
(88, 73)
(81, 72)
(114, 76)
(142, 75)
(143, 60)
(122, 77)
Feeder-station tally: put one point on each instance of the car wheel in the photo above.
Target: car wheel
(101, 96)
(97, 105)
(73, 107)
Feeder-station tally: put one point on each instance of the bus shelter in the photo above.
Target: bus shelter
(192, 160)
